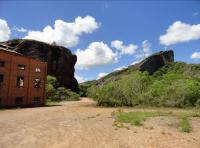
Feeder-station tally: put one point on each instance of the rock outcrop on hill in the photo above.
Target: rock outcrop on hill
(156, 61)
(151, 64)
(60, 60)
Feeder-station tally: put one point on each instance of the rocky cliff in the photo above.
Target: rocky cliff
(60, 60)
(151, 64)
(156, 61)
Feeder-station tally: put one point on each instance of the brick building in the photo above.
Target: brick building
(22, 80)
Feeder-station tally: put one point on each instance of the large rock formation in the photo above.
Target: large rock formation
(156, 61)
(151, 64)
(60, 60)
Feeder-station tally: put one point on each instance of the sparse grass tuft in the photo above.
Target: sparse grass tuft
(184, 125)
(136, 118)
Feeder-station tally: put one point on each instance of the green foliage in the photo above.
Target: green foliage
(52, 81)
(56, 93)
(136, 118)
(174, 85)
(185, 125)
(83, 88)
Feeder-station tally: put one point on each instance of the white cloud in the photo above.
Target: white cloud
(97, 54)
(135, 62)
(195, 55)
(119, 45)
(4, 30)
(146, 45)
(119, 68)
(65, 33)
(80, 79)
(145, 52)
(100, 75)
(180, 32)
(23, 30)
(195, 14)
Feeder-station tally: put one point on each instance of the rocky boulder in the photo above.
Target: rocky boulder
(156, 61)
(60, 60)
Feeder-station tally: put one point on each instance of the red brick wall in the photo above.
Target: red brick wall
(9, 91)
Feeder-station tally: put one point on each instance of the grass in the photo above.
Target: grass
(137, 118)
(184, 125)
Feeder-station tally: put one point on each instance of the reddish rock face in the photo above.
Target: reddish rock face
(60, 60)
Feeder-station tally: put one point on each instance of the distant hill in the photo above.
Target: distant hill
(156, 81)
(150, 64)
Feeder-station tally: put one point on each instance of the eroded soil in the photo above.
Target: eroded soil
(83, 125)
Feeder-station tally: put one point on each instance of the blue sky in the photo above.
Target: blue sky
(114, 33)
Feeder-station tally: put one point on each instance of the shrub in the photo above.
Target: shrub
(56, 93)
(172, 86)
(67, 95)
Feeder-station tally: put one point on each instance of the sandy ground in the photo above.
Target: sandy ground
(83, 125)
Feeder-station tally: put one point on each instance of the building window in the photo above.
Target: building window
(1, 78)
(37, 83)
(36, 100)
(21, 67)
(18, 100)
(0, 100)
(20, 81)
(2, 63)
(37, 70)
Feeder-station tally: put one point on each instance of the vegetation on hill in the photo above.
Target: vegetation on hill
(174, 85)
(57, 93)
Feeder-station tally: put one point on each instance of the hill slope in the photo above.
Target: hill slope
(175, 84)
(150, 64)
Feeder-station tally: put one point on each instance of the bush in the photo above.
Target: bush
(56, 93)
(175, 85)
(123, 92)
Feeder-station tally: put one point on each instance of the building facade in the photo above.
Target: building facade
(22, 80)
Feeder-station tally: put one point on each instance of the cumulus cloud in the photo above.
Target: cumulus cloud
(97, 54)
(80, 79)
(180, 32)
(65, 33)
(119, 68)
(23, 30)
(146, 45)
(123, 49)
(100, 75)
(195, 55)
(4, 30)
(145, 52)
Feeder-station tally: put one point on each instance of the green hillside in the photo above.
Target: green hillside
(177, 84)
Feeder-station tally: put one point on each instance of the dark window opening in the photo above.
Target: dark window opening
(21, 67)
(37, 70)
(37, 83)
(36, 100)
(1, 78)
(0, 101)
(2, 63)
(20, 81)
(19, 100)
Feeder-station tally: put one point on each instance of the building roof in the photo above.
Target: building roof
(8, 50)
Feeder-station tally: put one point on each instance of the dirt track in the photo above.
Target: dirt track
(82, 125)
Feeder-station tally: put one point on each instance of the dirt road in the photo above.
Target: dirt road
(83, 125)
